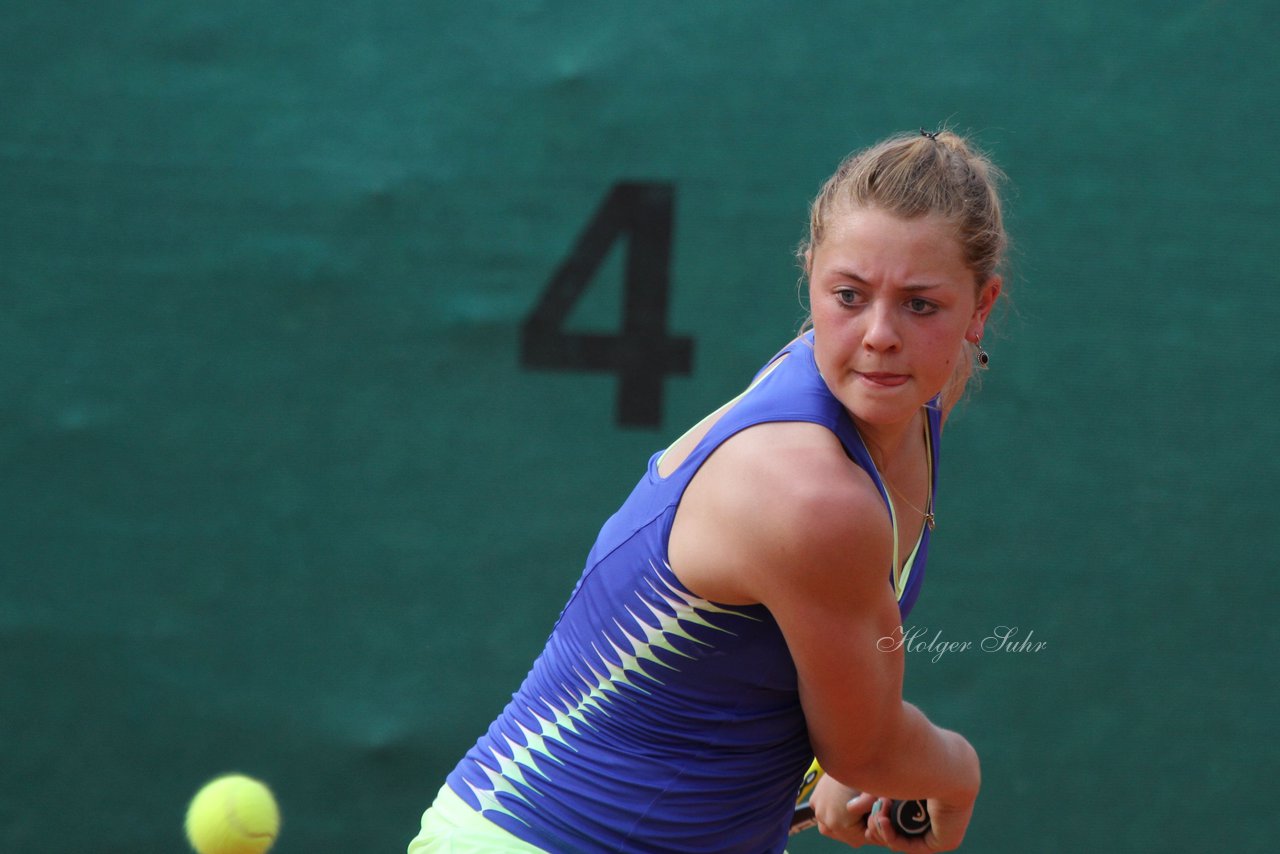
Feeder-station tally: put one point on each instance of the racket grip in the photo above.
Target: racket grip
(910, 818)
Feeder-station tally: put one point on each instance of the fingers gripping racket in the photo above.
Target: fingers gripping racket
(909, 818)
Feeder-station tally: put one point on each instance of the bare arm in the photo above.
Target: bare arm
(780, 516)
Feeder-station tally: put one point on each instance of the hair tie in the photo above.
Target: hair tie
(933, 136)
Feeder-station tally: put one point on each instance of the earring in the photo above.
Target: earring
(982, 357)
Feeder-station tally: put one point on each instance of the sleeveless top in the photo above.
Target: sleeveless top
(655, 720)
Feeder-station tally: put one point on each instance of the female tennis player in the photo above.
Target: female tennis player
(729, 623)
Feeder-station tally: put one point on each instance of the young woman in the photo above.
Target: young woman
(730, 621)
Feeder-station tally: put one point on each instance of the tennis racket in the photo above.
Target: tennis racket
(910, 818)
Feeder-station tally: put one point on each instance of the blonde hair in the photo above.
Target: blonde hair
(915, 175)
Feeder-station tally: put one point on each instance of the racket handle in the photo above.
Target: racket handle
(910, 818)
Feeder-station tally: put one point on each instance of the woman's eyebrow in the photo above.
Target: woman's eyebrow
(913, 287)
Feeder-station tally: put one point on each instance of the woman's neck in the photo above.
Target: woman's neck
(886, 443)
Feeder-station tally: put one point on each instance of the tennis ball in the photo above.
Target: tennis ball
(233, 815)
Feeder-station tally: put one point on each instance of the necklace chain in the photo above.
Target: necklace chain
(928, 516)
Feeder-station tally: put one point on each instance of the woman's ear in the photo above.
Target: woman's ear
(987, 297)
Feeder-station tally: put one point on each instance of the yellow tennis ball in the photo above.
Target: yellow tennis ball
(233, 815)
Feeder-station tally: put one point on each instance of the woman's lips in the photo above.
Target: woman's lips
(883, 380)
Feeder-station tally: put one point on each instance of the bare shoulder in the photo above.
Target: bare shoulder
(776, 506)
(805, 481)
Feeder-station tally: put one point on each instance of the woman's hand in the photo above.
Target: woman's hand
(841, 811)
(849, 816)
(947, 825)
(948, 819)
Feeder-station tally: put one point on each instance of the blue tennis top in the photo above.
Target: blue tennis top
(655, 720)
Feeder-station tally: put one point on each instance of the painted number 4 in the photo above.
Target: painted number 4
(642, 354)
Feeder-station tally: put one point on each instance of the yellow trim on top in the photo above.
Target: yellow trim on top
(901, 576)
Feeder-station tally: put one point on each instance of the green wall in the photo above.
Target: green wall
(279, 494)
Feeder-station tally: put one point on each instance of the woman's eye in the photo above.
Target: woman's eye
(920, 306)
(847, 297)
